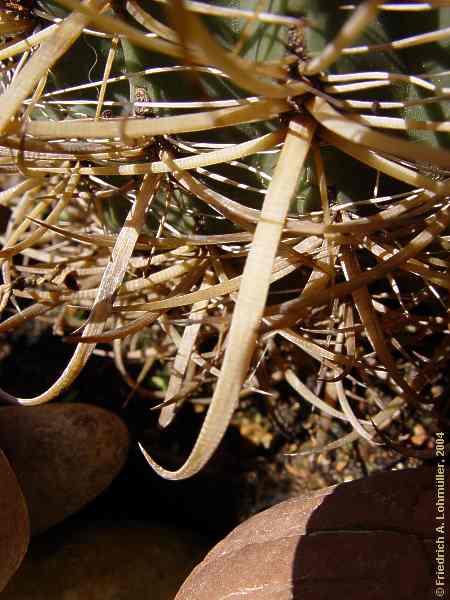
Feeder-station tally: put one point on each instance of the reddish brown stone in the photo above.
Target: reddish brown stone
(63, 454)
(371, 539)
(14, 524)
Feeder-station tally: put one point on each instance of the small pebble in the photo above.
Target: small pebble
(63, 455)
(14, 523)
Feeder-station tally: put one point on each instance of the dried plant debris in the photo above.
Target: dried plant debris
(244, 199)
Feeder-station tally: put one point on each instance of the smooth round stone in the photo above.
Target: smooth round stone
(14, 523)
(373, 538)
(63, 454)
(82, 560)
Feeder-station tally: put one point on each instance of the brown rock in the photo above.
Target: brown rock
(82, 560)
(63, 454)
(14, 523)
(367, 539)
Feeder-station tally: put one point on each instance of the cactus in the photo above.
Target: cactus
(178, 165)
